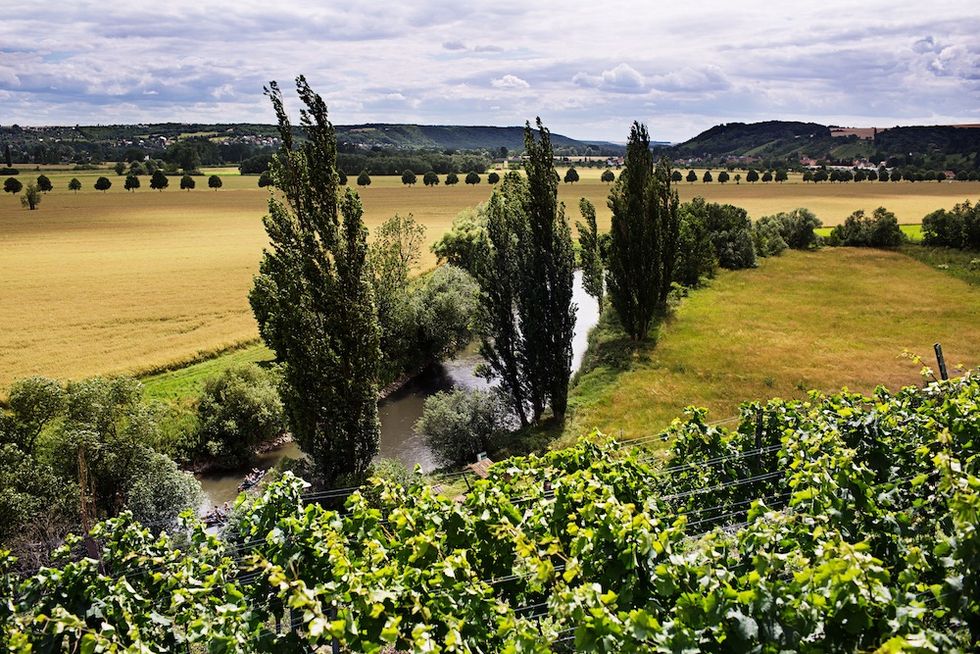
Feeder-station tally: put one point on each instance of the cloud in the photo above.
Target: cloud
(622, 79)
(70, 61)
(509, 82)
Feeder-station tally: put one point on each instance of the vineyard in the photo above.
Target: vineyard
(843, 523)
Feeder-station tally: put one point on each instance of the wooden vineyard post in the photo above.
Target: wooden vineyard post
(941, 360)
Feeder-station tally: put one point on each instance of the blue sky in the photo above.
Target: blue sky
(588, 68)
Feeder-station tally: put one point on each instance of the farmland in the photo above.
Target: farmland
(135, 282)
(800, 321)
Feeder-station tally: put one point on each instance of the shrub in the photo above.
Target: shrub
(255, 165)
(880, 230)
(239, 409)
(466, 241)
(956, 228)
(695, 253)
(457, 425)
(447, 305)
(767, 236)
(730, 230)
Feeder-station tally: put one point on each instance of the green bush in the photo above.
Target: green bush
(730, 229)
(880, 230)
(695, 252)
(238, 410)
(446, 307)
(457, 425)
(767, 236)
(956, 228)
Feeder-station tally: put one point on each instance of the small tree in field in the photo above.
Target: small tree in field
(341, 178)
(12, 185)
(676, 176)
(493, 178)
(363, 179)
(159, 181)
(408, 178)
(265, 179)
(44, 184)
(692, 176)
(723, 177)
(187, 183)
(74, 185)
(103, 184)
(608, 176)
(132, 182)
(430, 178)
(215, 182)
(452, 179)
(571, 176)
(781, 176)
(472, 178)
(120, 168)
(767, 177)
(738, 178)
(31, 197)
(752, 176)
(707, 178)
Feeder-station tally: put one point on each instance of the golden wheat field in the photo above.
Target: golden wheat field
(111, 282)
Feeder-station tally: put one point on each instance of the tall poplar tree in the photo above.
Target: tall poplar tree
(528, 318)
(644, 234)
(313, 298)
(590, 254)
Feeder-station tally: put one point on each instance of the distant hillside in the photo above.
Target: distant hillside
(442, 137)
(938, 147)
(39, 144)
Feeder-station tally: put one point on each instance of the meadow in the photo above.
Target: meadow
(804, 320)
(121, 282)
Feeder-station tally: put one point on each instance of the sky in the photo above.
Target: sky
(587, 68)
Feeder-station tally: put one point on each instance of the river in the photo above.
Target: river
(400, 410)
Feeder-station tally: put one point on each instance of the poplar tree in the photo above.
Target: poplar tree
(590, 255)
(527, 318)
(313, 298)
(644, 232)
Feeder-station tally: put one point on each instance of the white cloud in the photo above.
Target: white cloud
(679, 67)
(623, 79)
(509, 82)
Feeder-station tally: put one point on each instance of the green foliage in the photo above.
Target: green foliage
(695, 253)
(472, 178)
(795, 229)
(363, 179)
(120, 167)
(880, 230)
(265, 179)
(608, 176)
(314, 302)
(44, 183)
(644, 233)
(958, 227)
(730, 229)
(408, 178)
(239, 409)
(187, 183)
(446, 306)
(752, 176)
(215, 182)
(839, 524)
(723, 177)
(692, 176)
(159, 181)
(452, 179)
(493, 178)
(12, 185)
(35, 402)
(527, 318)
(571, 176)
(430, 178)
(103, 184)
(706, 178)
(132, 182)
(458, 425)
(590, 252)
(31, 197)
(74, 185)
(466, 241)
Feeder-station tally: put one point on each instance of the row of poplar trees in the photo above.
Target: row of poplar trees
(315, 307)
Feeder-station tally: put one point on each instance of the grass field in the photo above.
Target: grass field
(127, 282)
(825, 319)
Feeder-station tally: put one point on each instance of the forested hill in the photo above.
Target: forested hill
(789, 141)
(65, 143)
